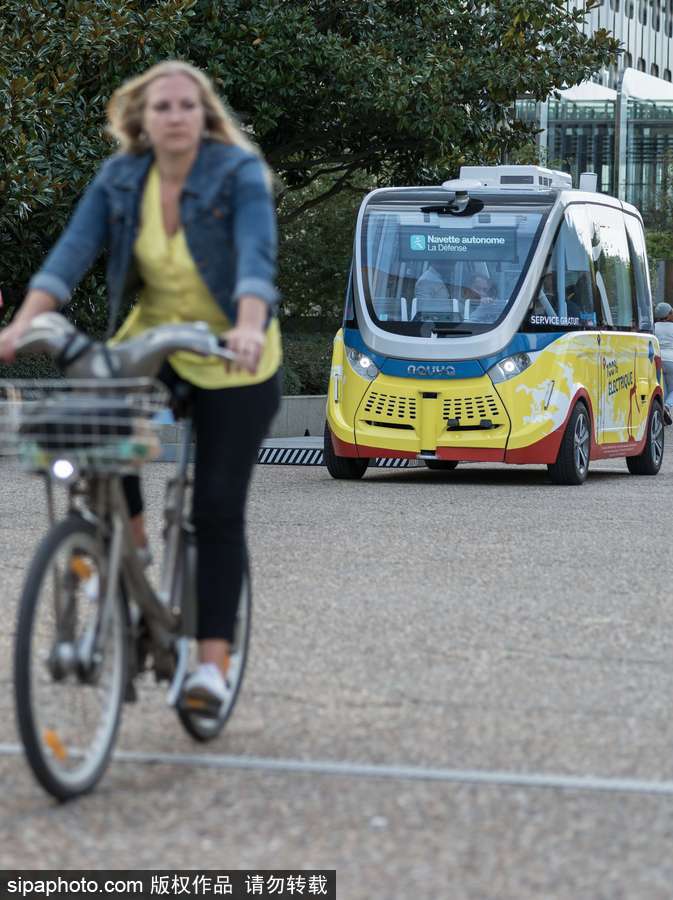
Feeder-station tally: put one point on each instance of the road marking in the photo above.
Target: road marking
(405, 773)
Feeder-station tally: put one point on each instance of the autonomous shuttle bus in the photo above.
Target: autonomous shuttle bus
(501, 317)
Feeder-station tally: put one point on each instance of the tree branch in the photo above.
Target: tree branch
(338, 186)
(304, 183)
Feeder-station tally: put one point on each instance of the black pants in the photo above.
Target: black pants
(229, 425)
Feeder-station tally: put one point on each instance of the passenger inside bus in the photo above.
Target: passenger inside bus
(490, 305)
(431, 287)
(435, 298)
(580, 298)
(578, 308)
(546, 303)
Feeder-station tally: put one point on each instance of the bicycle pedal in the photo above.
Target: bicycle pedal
(201, 705)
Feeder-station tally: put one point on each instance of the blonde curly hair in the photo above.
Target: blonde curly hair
(126, 107)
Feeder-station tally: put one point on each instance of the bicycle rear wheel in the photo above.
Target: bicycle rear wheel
(68, 710)
(206, 728)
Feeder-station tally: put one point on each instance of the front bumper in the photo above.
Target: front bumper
(459, 419)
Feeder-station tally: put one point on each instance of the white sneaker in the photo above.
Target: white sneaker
(205, 690)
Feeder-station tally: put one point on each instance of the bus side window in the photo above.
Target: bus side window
(641, 275)
(613, 267)
(565, 297)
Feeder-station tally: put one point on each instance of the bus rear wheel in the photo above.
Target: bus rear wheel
(572, 462)
(649, 461)
(342, 466)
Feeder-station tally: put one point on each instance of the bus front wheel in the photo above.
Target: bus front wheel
(342, 466)
(572, 462)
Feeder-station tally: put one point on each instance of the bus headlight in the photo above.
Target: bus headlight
(509, 367)
(362, 364)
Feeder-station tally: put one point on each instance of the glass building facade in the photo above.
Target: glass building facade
(581, 138)
(621, 125)
(648, 162)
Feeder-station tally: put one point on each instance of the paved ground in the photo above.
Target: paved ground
(481, 619)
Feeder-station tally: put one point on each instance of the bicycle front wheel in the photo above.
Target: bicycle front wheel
(69, 668)
(206, 728)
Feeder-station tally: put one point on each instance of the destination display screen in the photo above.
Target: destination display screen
(482, 244)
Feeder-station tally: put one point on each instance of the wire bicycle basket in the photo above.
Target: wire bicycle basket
(97, 425)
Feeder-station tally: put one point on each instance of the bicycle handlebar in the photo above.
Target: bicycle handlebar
(80, 357)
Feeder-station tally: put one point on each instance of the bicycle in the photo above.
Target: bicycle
(89, 619)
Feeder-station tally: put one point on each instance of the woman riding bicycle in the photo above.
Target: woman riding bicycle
(186, 213)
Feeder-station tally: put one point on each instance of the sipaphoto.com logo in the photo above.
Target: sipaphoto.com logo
(417, 242)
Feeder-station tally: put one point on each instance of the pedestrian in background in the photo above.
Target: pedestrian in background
(663, 328)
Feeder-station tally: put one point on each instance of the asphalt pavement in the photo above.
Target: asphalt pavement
(460, 686)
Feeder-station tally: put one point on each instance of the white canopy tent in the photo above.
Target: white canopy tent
(636, 85)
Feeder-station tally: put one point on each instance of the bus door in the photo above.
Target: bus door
(566, 302)
(621, 409)
(647, 369)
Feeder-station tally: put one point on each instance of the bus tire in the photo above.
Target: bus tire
(649, 461)
(572, 462)
(342, 466)
(441, 465)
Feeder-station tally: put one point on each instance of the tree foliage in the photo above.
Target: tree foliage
(393, 88)
(315, 252)
(59, 63)
(338, 93)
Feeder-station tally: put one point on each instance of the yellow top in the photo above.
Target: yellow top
(173, 291)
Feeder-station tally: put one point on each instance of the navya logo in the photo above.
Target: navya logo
(430, 370)
(417, 242)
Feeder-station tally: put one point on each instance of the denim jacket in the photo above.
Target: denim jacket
(226, 211)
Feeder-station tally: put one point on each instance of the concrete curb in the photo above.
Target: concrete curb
(298, 416)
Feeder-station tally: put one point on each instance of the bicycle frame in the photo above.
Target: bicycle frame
(105, 506)
(105, 622)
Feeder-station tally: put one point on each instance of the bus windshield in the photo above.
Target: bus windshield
(429, 273)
